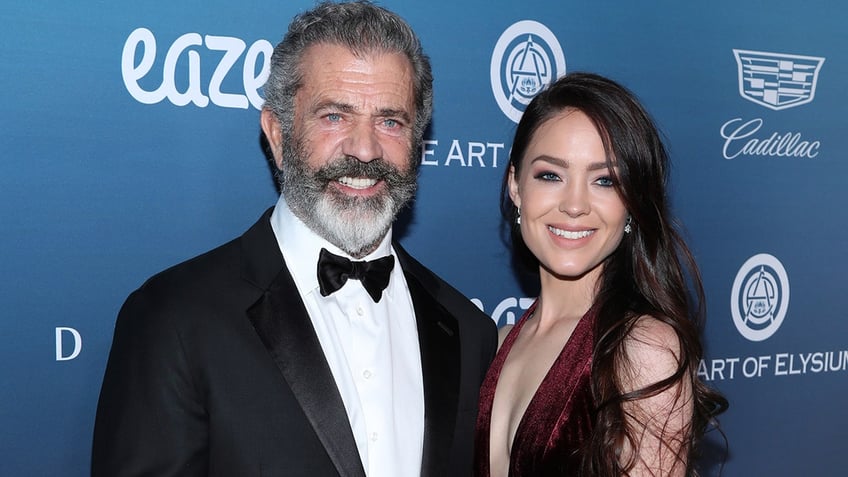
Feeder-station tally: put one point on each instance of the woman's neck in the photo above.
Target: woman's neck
(566, 298)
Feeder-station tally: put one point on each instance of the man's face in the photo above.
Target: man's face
(348, 166)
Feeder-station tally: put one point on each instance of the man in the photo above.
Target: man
(243, 361)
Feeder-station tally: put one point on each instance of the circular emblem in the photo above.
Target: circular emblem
(526, 58)
(760, 297)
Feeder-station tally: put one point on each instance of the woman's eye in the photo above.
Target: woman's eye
(605, 182)
(547, 176)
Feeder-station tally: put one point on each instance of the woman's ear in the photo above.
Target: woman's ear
(273, 133)
(513, 187)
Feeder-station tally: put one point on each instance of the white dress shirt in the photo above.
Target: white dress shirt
(372, 349)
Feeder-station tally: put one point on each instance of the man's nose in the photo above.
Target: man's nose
(362, 143)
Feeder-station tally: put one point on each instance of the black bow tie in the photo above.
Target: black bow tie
(334, 271)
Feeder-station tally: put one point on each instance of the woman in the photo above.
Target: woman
(599, 378)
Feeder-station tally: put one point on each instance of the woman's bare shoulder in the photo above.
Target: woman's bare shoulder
(653, 351)
(502, 332)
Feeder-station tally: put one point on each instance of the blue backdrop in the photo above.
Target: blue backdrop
(129, 142)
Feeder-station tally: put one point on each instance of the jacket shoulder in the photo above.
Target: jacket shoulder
(452, 299)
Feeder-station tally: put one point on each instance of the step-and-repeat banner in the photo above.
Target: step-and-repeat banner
(129, 141)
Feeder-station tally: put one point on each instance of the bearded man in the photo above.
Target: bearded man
(244, 361)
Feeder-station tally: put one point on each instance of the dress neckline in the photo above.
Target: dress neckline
(579, 331)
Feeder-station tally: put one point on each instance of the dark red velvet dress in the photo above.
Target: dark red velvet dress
(558, 418)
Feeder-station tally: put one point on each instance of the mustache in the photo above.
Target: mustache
(350, 166)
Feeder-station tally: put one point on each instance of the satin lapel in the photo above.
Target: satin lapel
(438, 337)
(282, 323)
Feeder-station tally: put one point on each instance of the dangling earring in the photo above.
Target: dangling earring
(518, 216)
(627, 227)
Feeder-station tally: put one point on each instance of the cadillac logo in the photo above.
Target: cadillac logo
(776, 80)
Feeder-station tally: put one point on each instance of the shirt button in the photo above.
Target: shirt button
(373, 437)
(359, 310)
(367, 374)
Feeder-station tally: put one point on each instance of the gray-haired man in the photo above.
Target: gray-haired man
(244, 360)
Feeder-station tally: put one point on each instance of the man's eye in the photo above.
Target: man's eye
(334, 117)
(391, 123)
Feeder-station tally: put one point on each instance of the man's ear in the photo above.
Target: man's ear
(513, 187)
(273, 133)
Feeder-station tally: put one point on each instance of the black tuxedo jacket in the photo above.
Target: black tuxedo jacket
(215, 370)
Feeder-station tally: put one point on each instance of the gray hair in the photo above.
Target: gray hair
(360, 26)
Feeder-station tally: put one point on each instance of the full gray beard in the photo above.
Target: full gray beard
(354, 224)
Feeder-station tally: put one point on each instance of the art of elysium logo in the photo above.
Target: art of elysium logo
(760, 297)
(526, 58)
(776, 80)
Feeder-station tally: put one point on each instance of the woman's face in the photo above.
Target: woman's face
(571, 215)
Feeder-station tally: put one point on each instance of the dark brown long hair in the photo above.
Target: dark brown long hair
(651, 273)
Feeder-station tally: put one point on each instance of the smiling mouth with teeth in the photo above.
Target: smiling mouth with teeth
(357, 182)
(569, 234)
